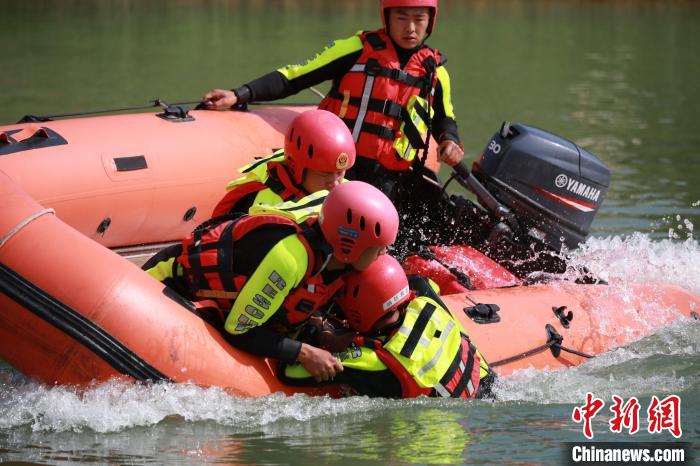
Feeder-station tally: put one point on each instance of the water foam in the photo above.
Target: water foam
(637, 259)
(116, 405)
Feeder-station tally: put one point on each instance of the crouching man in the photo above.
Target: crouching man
(407, 344)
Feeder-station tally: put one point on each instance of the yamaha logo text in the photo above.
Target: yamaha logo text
(576, 187)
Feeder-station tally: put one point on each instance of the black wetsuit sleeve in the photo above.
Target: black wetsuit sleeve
(263, 341)
(275, 85)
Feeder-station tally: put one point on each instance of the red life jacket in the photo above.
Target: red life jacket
(207, 262)
(279, 181)
(372, 97)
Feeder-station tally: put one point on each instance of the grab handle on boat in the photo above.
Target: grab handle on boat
(176, 114)
(40, 133)
(483, 313)
(564, 318)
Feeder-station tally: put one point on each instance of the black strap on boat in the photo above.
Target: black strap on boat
(69, 321)
(554, 341)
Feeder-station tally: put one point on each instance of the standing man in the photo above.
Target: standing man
(389, 87)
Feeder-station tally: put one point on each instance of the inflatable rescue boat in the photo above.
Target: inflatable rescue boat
(78, 195)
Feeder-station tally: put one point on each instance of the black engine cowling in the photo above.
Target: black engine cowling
(552, 186)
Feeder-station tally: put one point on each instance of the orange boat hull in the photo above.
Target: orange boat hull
(604, 317)
(72, 311)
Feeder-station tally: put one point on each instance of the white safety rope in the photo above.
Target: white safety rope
(24, 223)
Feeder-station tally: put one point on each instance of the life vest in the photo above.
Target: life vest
(429, 354)
(207, 257)
(269, 173)
(387, 108)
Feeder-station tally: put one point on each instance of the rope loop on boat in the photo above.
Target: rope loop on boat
(24, 223)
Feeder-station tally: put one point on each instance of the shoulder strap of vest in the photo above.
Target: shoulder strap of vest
(195, 248)
(216, 221)
(375, 40)
(281, 183)
(432, 62)
(420, 285)
(297, 211)
(249, 223)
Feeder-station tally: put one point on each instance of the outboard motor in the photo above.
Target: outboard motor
(539, 185)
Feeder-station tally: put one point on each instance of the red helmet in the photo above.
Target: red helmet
(373, 293)
(432, 4)
(320, 141)
(355, 216)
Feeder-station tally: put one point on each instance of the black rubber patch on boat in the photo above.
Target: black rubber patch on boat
(43, 137)
(70, 322)
(127, 164)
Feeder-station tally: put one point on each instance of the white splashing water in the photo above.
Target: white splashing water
(116, 405)
(638, 259)
(639, 368)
